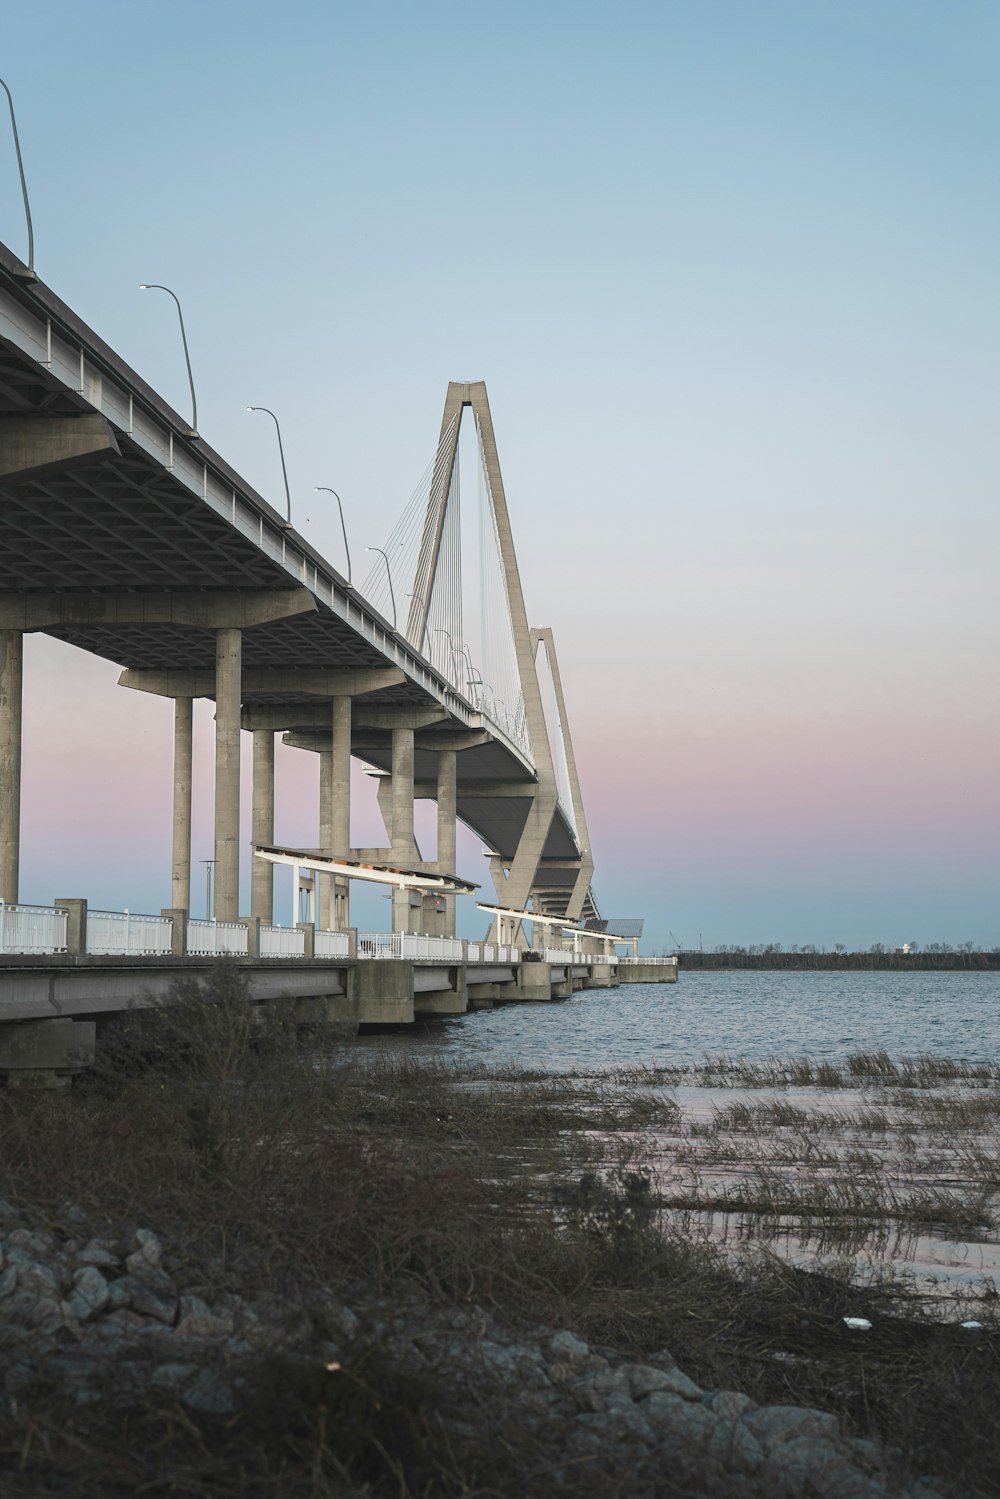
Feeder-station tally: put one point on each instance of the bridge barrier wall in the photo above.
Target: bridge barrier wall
(32, 929)
(120, 933)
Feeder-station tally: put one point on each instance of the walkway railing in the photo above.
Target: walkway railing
(282, 942)
(651, 962)
(558, 955)
(32, 929)
(216, 939)
(332, 944)
(405, 945)
(492, 952)
(125, 934)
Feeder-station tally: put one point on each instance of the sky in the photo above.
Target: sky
(731, 274)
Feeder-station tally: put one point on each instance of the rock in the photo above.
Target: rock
(811, 1465)
(32, 1275)
(71, 1212)
(677, 1418)
(90, 1293)
(98, 1252)
(35, 1241)
(72, 1370)
(173, 1376)
(8, 1213)
(565, 1346)
(343, 1320)
(211, 1395)
(732, 1446)
(644, 1379)
(728, 1405)
(8, 1280)
(618, 1422)
(773, 1425)
(148, 1252)
(152, 1294)
(675, 1382)
(590, 1392)
(33, 1313)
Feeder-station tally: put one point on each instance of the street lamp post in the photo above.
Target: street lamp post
(155, 286)
(388, 573)
(325, 489)
(24, 185)
(281, 454)
(440, 630)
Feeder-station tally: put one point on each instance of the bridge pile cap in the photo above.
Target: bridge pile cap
(357, 869)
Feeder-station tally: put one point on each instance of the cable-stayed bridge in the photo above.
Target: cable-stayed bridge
(123, 533)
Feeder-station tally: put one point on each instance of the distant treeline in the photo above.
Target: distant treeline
(938, 955)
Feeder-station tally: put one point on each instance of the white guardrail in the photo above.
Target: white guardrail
(651, 962)
(39, 930)
(332, 944)
(492, 952)
(282, 942)
(405, 945)
(32, 929)
(123, 934)
(217, 939)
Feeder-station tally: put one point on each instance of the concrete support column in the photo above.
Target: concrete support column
(11, 673)
(180, 884)
(323, 883)
(261, 872)
(228, 693)
(447, 785)
(340, 772)
(401, 832)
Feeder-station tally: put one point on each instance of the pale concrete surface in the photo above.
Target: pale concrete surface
(37, 445)
(228, 699)
(11, 674)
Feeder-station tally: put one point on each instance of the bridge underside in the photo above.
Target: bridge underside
(102, 525)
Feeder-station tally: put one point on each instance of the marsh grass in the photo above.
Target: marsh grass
(271, 1162)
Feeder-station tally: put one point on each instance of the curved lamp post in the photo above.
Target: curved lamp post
(440, 630)
(325, 489)
(281, 454)
(388, 573)
(155, 286)
(24, 185)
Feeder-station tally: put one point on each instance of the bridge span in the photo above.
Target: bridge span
(123, 533)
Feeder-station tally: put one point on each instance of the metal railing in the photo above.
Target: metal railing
(651, 962)
(405, 945)
(32, 929)
(557, 955)
(214, 939)
(332, 944)
(282, 942)
(125, 934)
(492, 952)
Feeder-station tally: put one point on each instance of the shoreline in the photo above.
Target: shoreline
(239, 1266)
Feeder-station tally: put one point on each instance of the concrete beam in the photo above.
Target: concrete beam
(370, 716)
(36, 445)
(11, 671)
(331, 683)
(213, 609)
(228, 651)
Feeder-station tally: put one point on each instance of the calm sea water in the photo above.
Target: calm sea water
(745, 1015)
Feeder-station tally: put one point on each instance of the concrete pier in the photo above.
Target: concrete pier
(262, 873)
(11, 672)
(180, 880)
(228, 654)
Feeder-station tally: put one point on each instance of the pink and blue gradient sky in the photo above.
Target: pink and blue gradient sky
(731, 274)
